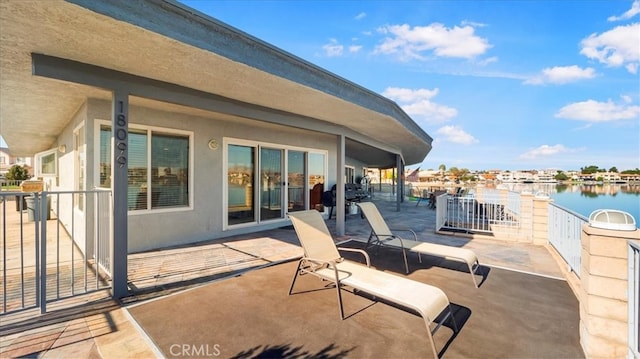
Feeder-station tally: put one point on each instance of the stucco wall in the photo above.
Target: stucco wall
(204, 221)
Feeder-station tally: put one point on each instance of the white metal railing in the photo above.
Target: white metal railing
(55, 245)
(564, 234)
(442, 211)
(634, 300)
(491, 212)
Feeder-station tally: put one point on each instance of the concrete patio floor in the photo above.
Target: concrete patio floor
(97, 327)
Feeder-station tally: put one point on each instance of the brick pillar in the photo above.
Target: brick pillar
(603, 299)
(525, 234)
(541, 220)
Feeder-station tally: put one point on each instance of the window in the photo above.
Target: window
(265, 182)
(47, 163)
(271, 183)
(240, 193)
(296, 170)
(158, 164)
(349, 174)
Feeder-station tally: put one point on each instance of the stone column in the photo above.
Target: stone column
(540, 220)
(604, 297)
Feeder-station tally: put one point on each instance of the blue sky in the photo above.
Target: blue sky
(497, 84)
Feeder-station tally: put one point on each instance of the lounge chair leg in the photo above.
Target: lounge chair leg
(433, 344)
(340, 301)
(295, 276)
(473, 269)
(369, 241)
(473, 275)
(453, 320)
(406, 264)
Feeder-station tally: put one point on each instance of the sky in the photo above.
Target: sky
(503, 84)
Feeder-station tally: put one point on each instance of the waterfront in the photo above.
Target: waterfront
(586, 198)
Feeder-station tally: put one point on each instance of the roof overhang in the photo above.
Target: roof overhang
(168, 43)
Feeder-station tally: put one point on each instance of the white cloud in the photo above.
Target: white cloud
(472, 23)
(333, 48)
(409, 95)
(455, 134)
(413, 43)
(561, 75)
(488, 61)
(594, 111)
(617, 47)
(418, 104)
(361, 16)
(544, 151)
(355, 48)
(635, 10)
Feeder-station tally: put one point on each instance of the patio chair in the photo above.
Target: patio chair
(424, 196)
(322, 259)
(381, 234)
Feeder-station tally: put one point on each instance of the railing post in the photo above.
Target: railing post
(540, 227)
(38, 215)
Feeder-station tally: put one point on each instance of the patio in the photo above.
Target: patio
(522, 309)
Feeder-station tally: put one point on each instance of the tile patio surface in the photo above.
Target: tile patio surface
(93, 326)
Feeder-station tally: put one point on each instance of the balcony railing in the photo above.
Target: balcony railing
(490, 212)
(564, 233)
(634, 300)
(55, 245)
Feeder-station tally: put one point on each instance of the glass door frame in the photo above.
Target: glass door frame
(258, 182)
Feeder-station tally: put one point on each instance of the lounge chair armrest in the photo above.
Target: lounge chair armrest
(320, 262)
(365, 254)
(415, 236)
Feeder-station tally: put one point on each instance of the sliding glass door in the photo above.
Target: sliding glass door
(265, 182)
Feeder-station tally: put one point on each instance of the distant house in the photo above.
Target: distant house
(413, 176)
(210, 132)
(7, 161)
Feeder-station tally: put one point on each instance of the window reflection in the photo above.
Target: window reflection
(241, 162)
(271, 183)
(167, 177)
(295, 181)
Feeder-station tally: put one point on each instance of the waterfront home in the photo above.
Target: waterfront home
(213, 132)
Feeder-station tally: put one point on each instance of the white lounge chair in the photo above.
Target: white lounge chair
(322, 259)
(381, 234)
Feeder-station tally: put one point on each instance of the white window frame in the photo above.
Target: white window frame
(349, 170)
(148, 129)
(38, 167)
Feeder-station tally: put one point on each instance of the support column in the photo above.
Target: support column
(399, 185)
(340, 200)
(119, 175)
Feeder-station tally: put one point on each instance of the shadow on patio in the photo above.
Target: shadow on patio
(512, 314)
